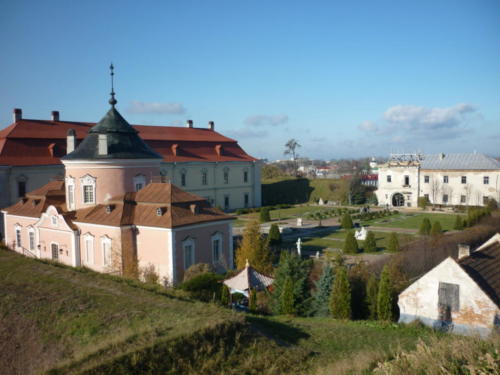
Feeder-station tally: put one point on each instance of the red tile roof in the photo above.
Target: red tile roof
(27, 142)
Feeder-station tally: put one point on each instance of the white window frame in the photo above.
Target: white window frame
(446, 180)
(58, 250)
(106, 250)
(19, 235)
(89, 250)
(188, 243)
(70, 191)
(87, 181)
(139, 182)
(486, 180)
(217, 237)
(31, 239)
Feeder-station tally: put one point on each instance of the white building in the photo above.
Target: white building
(453, 179)
(461, 296)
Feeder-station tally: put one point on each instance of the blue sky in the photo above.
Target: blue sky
(346, 79)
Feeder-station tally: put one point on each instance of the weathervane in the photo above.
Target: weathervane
(112, 101)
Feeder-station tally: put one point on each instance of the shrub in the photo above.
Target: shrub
(204, 286)
(225, 295)
(196, 270)
(385, 297)
(370, 244)
(371, 296)
(340, 299)
(274, 235)
(252, 301)
(492, 204)
(287, 301)
(265, 215)
(150, 275)
(346, 222)
(459, 223)
(350, 244)
(423, 202)
(436, 229)
(425, 227)
(393, 245)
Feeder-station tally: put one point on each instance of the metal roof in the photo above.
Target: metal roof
(459, 162)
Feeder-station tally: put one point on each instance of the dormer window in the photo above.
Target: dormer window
(139, 182)
(109, 208)
(159, 211)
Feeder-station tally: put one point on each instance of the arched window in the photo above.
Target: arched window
(188, 248)
(139, 182)
(88, 189)
(216, 247)
(106, 250)
(88, 241)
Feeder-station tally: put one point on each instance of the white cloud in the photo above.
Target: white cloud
(418, 119)
(266, 120)
(368, 126)
(240, 134)
(156, 107)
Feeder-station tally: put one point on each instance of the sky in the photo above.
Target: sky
(345, 79)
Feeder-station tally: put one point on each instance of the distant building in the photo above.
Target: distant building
(453, 179)
(461, 295)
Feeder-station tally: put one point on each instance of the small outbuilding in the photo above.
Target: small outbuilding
(245, 280)
(458, 295)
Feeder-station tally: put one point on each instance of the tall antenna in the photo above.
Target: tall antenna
(112, 101)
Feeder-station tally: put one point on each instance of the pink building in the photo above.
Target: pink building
(108, 212)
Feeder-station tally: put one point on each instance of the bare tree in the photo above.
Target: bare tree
(467, 192)
(435, 189)
(291, 149)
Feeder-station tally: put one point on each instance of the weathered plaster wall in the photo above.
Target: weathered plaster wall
(154, 248)
(420, 300)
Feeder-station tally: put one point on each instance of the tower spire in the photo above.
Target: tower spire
(112, 101)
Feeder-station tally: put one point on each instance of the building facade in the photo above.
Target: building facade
(112, 212)
(454, 179)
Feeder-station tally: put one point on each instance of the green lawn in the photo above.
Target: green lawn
(413, 221)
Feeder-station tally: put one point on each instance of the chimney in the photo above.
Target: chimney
(174, 149)
(211, 125)
(102, 144)
(218, 150)
(189, 123)
(441, 156)
(55, 115)
(18, 114)
(463, 250)
(70, 141)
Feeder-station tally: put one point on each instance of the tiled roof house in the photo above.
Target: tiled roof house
(107, 215)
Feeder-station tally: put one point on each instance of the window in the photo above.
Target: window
(54, 220)
(183, 178)
(464, 179)
(216, 247)
(189, 258)
(389, 178)
(89, 249)
(106, 250)
(245, 176)
(486, 180)
(226, 202)
(163, 176)
(426, 196)
(449, 296)
(55, 251)
(139, 182)
(462, 199)
(485, 200)
(88, 194)
(159, 211)
(445, 179)
(226, 176)
(426, 179)
(445, 198)
(247, 200)
(407, 180)
(204, 177)
(71, 196)
(21, 188)
(32, 240)
(18, 237)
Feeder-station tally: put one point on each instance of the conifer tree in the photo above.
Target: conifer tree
(436, 229)
(393, 245)
(254, 248)
(371, 296)
(287, 297)
(274, 235)
(321, 297)
(340, 298)
(385, 297)
(370, 244)
(224, 296)
(358, 277)
(252, 300)
(350, 244)
(346, 222)
(425, 227)
(264, 215)
(459, 223)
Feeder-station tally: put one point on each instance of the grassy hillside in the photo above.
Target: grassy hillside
(61, 320)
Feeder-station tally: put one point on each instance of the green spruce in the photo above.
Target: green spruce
(370, 244)
(385, 297)
(346, 222)
(287, 300)
(371, 296)
(436, 229)
(265, 215)
(425, 227)
(350, 244)
(321, 297)
(393, 245)
(459, 223)
(274, 235)
(340, 298)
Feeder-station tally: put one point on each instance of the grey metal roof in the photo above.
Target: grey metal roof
(123, 141)
(459, 162)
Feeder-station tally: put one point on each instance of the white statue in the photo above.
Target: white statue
(361, 234)
(299, 222)
(299, 247)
